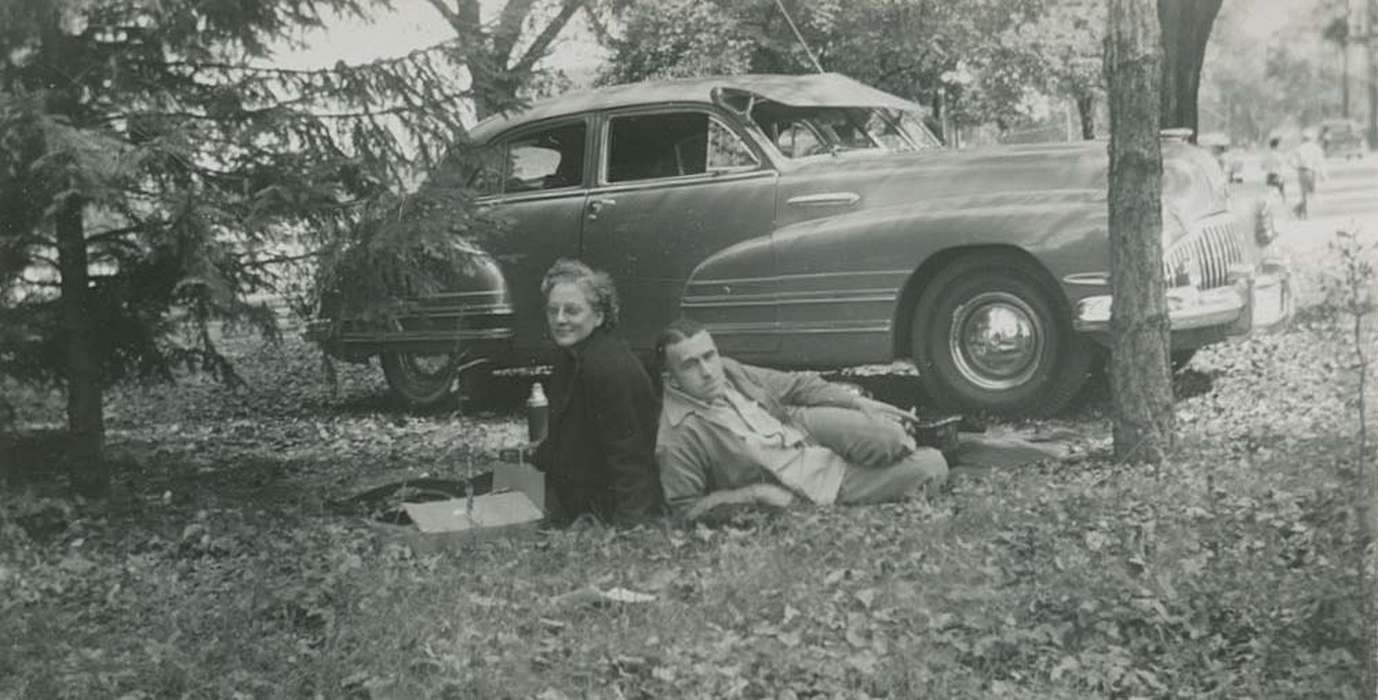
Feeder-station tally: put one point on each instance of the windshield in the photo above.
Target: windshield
(801, 132)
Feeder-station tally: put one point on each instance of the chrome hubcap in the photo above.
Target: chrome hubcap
(996, 341)
(428, 366)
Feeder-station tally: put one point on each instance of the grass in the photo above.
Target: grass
(219, 571)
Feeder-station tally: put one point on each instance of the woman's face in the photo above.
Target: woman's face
(570, 314)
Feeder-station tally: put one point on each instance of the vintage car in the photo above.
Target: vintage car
(814, 222)
(1342, 138)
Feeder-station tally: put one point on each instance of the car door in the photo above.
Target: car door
(676, 186)
(540, 198)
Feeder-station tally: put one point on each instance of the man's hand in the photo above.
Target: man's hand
(763, 494)
(884, 411)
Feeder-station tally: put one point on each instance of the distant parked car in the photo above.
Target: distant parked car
(1342, 138)
(814, 222)
(1219, 146)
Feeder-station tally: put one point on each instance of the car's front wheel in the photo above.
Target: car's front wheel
(991, 334)
(424, 380)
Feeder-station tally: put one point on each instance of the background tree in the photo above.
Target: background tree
(1140, 381)
(1064, 47)
(1259, 78)
(937, 54)
(147, 162)
(502, 56)
(1186, 27)
(676, 38)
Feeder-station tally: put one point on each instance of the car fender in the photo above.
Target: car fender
(852, 274)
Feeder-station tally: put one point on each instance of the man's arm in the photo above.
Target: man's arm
(801, 388)
(684, 478)
(683, 473)
(755, 494)
(809, 389)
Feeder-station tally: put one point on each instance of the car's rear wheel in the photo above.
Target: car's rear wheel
(992, 334)
(425, 380)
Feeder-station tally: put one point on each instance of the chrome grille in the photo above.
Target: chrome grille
(1208, 253)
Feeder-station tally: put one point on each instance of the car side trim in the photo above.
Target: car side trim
(825, 199)
(771, 327)
(1088, 279)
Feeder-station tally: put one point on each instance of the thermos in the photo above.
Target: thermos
(537, 413)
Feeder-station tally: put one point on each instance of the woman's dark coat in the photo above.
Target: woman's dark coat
(599, 453)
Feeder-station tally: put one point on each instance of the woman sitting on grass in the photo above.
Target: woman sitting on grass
(599, 453)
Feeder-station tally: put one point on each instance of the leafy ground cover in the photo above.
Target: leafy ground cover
(218, 569)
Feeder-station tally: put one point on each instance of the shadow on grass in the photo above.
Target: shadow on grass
(499, 395)
(1092, 402)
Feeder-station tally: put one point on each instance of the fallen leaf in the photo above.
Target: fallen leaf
(790, 614)
(855, 638)
(622, 595)
(864, 662)
(866, 597)
(661, 579)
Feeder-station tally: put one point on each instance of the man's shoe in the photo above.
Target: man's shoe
(938, 433)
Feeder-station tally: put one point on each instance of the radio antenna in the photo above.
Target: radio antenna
(814, 59)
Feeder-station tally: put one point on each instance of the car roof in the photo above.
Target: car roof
(822, 89)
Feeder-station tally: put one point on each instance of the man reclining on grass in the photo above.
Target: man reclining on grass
(733, 434)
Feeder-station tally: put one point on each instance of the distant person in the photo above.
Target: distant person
(1273, 166)
(599, 451)
(1309, 161)
(731, 434)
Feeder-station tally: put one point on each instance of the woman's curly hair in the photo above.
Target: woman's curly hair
(597, 286)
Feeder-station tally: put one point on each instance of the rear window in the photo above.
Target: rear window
(546, 159)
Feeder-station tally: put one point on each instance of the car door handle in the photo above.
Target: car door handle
(596, 206)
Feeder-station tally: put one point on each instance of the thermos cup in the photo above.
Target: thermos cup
(537, 413)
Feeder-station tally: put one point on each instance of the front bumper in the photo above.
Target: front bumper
(1255, 300)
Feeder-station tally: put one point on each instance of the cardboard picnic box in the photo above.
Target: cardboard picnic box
(520, 477)
(511, 509)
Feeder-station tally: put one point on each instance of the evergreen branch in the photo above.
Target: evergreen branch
(114, 233)
(194, 66)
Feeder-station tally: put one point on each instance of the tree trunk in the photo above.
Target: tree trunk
(939, 116)
(1086, 110)
(1372, 81)
(1140, 381)
(1186, 26)
(495, 77)
(85, 420)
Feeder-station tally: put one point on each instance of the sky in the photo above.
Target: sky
(413, 24)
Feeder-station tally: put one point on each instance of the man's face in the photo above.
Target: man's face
(693, 366)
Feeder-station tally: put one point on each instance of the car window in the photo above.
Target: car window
(481, 168)
(796, 139)
(803, 131)
(651, 146)
(548, 159)
(726, 151)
